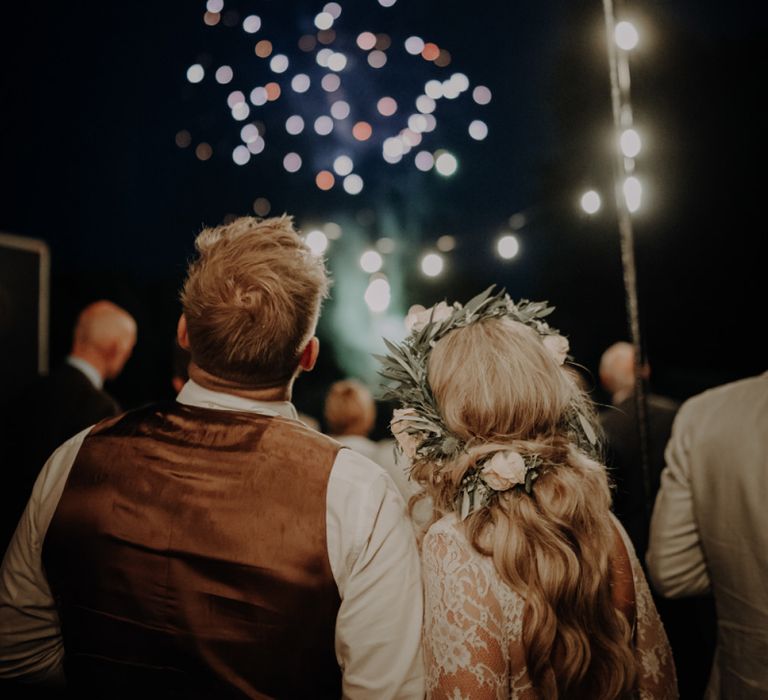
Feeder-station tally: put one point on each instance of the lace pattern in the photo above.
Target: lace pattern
(474, 624)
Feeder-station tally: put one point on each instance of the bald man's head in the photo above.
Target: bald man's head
(617, 370)
(104, 336)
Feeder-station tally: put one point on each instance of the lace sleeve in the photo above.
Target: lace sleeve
(657, 679)
(466, 635)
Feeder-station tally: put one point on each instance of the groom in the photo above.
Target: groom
(215, 546)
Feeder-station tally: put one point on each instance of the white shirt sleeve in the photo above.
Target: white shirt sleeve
(30, 634)
(375, 563)
(675, 557)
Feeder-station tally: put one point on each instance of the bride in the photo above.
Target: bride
(532, 587)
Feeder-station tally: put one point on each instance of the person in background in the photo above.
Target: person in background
(71, 398)
(623, 454)
(692, 651)
(215, 546)
(350, 414)
(709, 530)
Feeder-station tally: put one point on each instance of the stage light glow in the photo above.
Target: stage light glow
(292, 162)
(481, 95)
(195, 73)
(325, 180)
(378, 294)
(241, 155)
(478, 130)
(424, 161)
(633, 193)
(300, 82)
(387, 106)
(432, 264)
(366, 40)
(591, 202)
(414, 45)
(261, 206)
(508, 246)
(337, 62)
(371, 261)
(630, 143)
(626, 35)
(251, 24)
(445, 244)
(340, 110)
(446, 164)
(317, 242)
(377, 59)
(425, 105)
(343, 165)
(362, 131)
(294, 125)
(330, 82)
(324, 20)
(223, 75)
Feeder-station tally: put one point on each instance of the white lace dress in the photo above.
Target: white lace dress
(473, 626)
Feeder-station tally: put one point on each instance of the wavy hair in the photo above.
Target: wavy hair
(498, 388)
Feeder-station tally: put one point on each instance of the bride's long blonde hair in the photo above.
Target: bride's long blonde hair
(497, 387)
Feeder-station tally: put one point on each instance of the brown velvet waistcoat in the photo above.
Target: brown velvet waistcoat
(188, 558)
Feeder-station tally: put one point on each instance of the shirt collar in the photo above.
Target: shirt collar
(192, 394)
(88, 370)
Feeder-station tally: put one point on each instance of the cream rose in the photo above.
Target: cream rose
(409, 442)
(418, 316)
(557, 346)
(504, 470)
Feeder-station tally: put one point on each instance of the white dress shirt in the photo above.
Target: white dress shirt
(371, 549)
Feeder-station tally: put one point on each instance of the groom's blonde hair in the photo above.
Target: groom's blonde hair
(252, 299)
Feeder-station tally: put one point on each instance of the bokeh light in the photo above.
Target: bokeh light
(424, 161)
(252, 24)
(371, 261)
(446, 164)
(591, 202)
(445, 244)
(387, 106)
(481, 95)
(224, 75)
(626, 35)
(633, 193)
(323, 125)
(343, 165)
(378, 294)
(325, 180)
(294, 125)
(241, 155)
(432, 264)
(261, 206)
(353, 184)
(300, 82)
(292, 162)
(340, 109)
(195, 73)
(362, 131)
(478, 129)
(317, 242)
(630, 143)
(508, 246)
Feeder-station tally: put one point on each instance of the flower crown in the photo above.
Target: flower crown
(419, 428)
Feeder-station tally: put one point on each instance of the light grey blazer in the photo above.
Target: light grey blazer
(709, 529)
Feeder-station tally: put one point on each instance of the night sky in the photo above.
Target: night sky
(92, 96)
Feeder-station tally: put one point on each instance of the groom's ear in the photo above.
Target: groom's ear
(309, 354)
(182, 336)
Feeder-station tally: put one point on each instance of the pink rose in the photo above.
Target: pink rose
(557, 346)
(504, 470)
(418, 316)
(408, 441)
